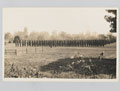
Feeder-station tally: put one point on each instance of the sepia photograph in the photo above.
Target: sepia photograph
(63, 43)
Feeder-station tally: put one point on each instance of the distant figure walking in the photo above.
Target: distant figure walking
(101, 55)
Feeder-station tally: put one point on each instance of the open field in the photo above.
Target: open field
(61, 62)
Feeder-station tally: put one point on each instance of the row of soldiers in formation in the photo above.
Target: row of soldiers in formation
(67, 43)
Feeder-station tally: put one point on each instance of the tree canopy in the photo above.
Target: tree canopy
(112, 20)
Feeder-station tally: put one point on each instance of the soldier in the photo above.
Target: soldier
(101, 55)
(20, 43)
(16, 43)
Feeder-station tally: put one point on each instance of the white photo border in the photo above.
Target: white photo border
(59, 79)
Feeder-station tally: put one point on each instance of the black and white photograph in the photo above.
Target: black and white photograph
(63, 43)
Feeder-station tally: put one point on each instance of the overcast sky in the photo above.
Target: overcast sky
(71, 20)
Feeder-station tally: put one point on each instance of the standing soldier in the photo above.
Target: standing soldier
(20, 43)
(103, 43)
(25, 42)
(16, 42)
(32, 42)
(39, 42)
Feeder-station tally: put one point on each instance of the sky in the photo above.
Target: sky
(72, 20)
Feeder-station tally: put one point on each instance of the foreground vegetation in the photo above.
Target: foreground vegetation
(64, 68)
(62, 62)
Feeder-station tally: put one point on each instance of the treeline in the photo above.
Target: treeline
(23, 35)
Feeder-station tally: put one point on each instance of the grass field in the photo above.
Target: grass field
(61, 62)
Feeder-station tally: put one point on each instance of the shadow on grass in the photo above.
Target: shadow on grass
(85, 66)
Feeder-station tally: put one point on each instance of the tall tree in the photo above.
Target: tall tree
(16, 38)
(112, 20)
